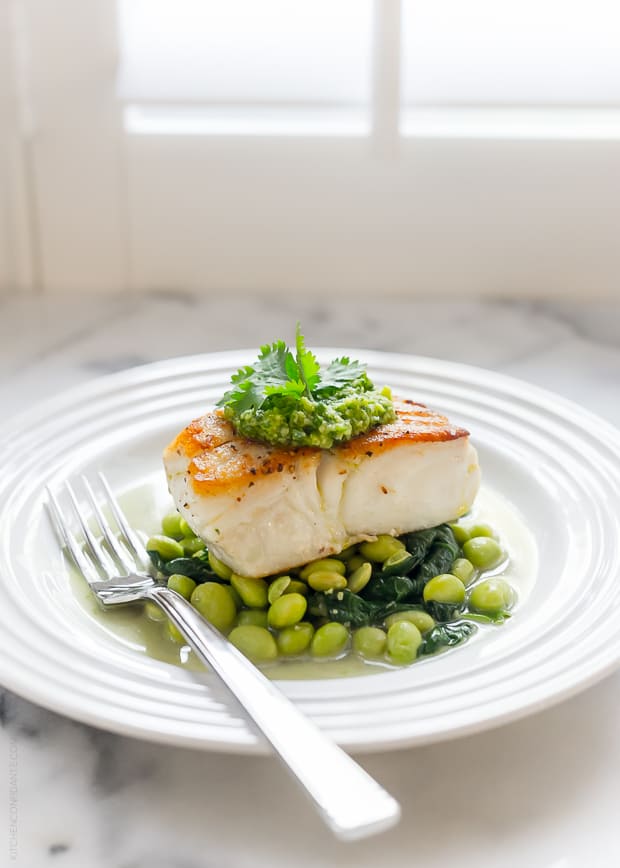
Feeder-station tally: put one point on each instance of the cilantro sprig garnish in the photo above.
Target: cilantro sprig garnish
(286, 398)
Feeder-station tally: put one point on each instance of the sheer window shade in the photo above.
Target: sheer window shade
(526, 53)
(246, 51)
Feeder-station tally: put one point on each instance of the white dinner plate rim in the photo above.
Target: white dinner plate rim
(601, 666)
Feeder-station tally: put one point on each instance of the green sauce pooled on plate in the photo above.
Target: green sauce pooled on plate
(286, 399)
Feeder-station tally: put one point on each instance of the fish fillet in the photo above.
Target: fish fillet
(264, 509)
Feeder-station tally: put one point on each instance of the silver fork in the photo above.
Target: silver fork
(114, 564)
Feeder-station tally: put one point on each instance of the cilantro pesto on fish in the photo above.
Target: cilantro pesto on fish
(287, 399)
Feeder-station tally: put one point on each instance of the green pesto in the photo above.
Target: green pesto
(288, 399)
(301, 421)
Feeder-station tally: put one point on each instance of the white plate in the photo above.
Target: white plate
(558, 466)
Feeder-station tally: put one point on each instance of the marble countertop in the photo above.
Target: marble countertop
(542, 792)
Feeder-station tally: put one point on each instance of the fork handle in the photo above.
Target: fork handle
(352, 803)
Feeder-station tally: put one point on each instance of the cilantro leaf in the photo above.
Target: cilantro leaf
(340, 373)
(270, 373)
(277, 373)
(307, 364)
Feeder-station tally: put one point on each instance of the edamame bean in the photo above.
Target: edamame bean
(253, 592)
(382, 548)
(153, 612)
(398, 564)
(347, 554)
(277, 588)
(327, 580)
(329, 640)
(254, 617)
(175, 634)
(171, 526)
(460, 533)
(257, 643)
(491, 597)
(215, 603)
(481, 530)
(445, 588)
(403, 641)
(483, 552)
(369, 642)
(331, 565)
(185, 528)
(463, 570)
(235, 597)
(286, 611)
(191, 545)
(221, 570)
(167, 548)
(183, 585)
(355, 563)
(295, 639)
(295, 587)
(421, 619)
(360, 578)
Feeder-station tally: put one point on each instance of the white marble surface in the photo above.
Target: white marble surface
(543, 792)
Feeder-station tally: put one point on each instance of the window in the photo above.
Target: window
(546, 68)
(245, 66)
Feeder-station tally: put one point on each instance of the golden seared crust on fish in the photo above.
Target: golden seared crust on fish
(414, 423)
(263, 509)
(220, 459)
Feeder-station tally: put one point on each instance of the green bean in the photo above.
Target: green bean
(463, 570)
(277, 588)
(382, 548)
(445, 588)
(183, 585)
(329, 640)
(369, 642)
(294, 640)
(420, 618)
(403, 641)
(191, 545)
(491, 597)
(360, 577)
(221, 570)
(331, 565)
(286, 611)
(253, 592)
(483, 552)
(253, 617)
(167, 548)
(327, 580)
(214, 602)
(171, 526)
(256, 643)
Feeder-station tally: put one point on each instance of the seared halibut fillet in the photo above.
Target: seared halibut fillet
(263, 509)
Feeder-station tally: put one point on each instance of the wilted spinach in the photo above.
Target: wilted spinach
(445, 635)
(195, 568)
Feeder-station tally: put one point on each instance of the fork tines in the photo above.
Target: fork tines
(103, 551)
